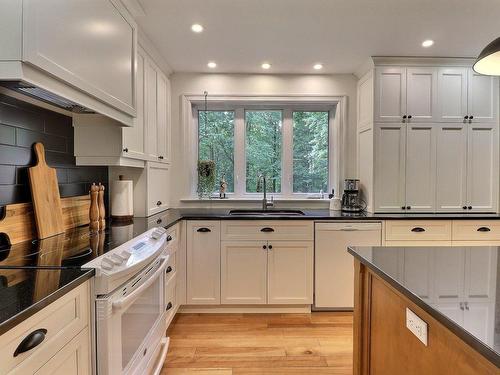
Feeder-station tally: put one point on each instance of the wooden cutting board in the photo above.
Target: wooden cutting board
(45, 196)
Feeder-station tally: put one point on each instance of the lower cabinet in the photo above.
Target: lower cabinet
(267, 272)
(157, 188)
(203, 262)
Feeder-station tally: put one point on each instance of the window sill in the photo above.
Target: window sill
(251, 200)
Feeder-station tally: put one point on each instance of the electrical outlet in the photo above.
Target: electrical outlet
(416, 326)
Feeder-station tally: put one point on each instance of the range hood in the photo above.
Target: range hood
(45, 96)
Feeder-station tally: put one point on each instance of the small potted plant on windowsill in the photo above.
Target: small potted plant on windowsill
(206, 178)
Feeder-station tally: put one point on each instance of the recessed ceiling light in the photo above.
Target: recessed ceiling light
(212, 65)
(197, 28)
(427, 43)
(318, 66)
(266, 66)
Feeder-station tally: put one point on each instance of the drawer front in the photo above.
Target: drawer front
(174, 232)
(171, 266)
(267, 230)
(418, 230)
(476, 230)
(171, 298)
(63, 320)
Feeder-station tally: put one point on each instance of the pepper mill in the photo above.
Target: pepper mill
(102, 209)
(94, 208)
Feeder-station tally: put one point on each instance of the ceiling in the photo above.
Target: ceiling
(293, 35)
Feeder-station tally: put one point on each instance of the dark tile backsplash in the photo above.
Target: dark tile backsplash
(21, 125)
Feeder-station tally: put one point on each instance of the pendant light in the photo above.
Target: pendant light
(488, 62)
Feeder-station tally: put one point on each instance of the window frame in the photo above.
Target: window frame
(336, 106)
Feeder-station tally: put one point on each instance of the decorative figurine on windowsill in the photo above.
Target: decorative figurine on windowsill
(222, 187)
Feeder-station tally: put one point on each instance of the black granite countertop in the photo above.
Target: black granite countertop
(25, 291)
(428, 276)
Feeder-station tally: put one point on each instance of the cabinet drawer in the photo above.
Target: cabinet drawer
(171, 267)
(171, 298)
(418, 230)
(63, 320)
(267, 230)
(476, 230)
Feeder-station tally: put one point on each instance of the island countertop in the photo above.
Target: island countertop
(457, 286)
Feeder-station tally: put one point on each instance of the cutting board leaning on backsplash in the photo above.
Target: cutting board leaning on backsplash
(45, 196)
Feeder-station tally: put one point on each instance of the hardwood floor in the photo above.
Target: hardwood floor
(245, 344)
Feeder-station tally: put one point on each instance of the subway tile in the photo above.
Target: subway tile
(59, 159)
(7, 135)
(87, 174)
(22, 175)
(7, 175)
(62, 175)
(10, 194)
(12, 155)
(71, 190)
(26, 138)
(56, 123)
(19, 117)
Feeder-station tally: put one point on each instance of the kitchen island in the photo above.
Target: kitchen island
(426, 310)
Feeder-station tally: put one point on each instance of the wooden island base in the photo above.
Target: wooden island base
(383, 345)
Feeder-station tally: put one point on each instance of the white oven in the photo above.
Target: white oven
(130, 318)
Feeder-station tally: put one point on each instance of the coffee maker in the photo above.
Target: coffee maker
(351, 201)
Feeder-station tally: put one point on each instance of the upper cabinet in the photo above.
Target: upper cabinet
(80, 52)
(147, 140)
(434, 94)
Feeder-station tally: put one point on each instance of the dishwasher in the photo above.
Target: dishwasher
(334, 266)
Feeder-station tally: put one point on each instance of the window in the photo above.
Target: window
(216, 142)
(294, 146)
(263, 150)
(310, 152)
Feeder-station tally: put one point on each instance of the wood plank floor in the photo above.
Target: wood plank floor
(244, 344)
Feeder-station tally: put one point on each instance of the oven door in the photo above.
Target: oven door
(130, 322)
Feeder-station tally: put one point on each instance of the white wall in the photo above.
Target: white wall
(259, 84)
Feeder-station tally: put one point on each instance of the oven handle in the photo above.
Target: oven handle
(120, 304)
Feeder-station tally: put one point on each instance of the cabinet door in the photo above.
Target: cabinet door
(453, 310)
(158, 188)
(290, 272)
(244, 272)
(449, 274)
(421, 94)
(482, 167)
(90, 45)
(133, 137)
(482, 97)
(74, 358)
(203, 262)
(451, 167)
(390, 150)
(480, 273)
(479, 320)
(390, 94)
(421, 167)
(150, 74)
(161, 106)
(417, 271)
(452, 94)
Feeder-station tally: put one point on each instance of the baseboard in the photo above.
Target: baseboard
(242, 309)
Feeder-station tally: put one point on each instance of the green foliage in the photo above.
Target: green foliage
(310, 152)
(263, 149)
(206, 178)
(216, 142)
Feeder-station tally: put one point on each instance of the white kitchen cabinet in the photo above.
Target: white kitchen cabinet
(390, 94)
(421, 94)
(243, 272)
(480, 273)
(163, 118)
(92, 47)
(203, 262)
(452, 310)
(420, 167)
(389, 172)
(482, 99)
(479, 320)
(157, 188)
(290, 272)
(452, 94)
(482, 167)
(151, 77)
(451, 167)
(448, 270)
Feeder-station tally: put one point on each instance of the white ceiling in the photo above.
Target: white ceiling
(294, 34)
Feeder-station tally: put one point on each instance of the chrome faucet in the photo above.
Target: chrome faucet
(265, 203)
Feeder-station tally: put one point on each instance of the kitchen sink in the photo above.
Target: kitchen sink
(266, 213)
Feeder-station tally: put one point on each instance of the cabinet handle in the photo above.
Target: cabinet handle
(461, 305)
(169, 306)
(466, 117)
(204, 230)
(168, 270)
(471, 117)
(403, 207)
(125, 149)
(484, 229)
(169, 238)
(404, 117)
(470, 207)
(466, 305)
(158, 203)
(264, 247)
(160, 157)
(464, 207)
(408, 207)
(270, 247)
(31, 341)
(409, 116)
(418, 229)
(267, 230)
(159, 221)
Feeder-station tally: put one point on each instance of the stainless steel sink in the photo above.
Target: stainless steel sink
(266, 213)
